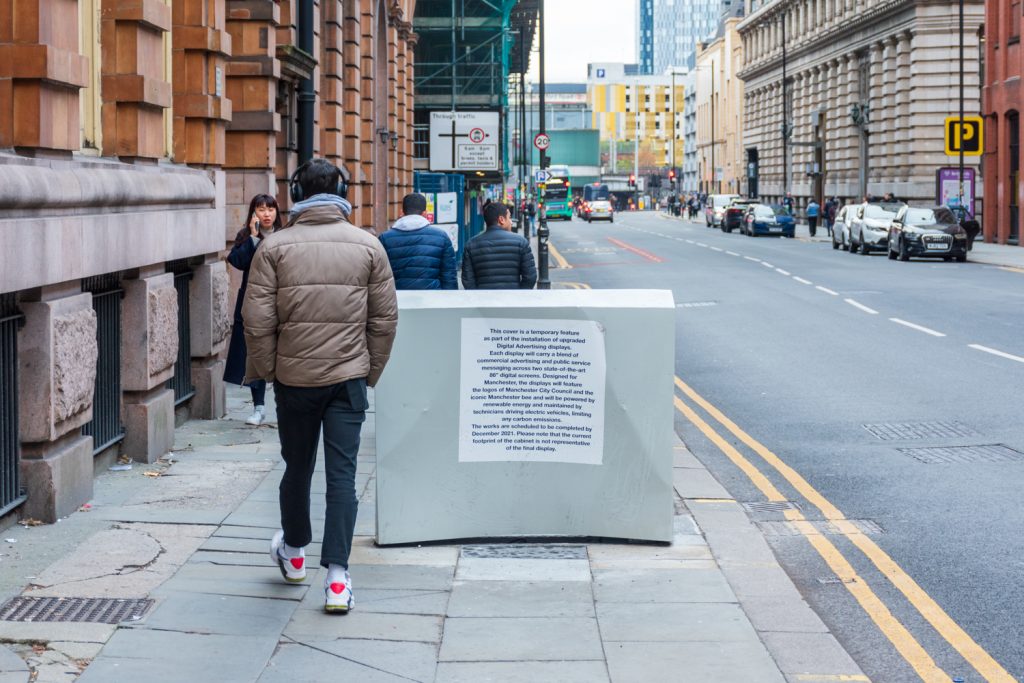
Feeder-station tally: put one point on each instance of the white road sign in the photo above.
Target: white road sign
(542, 141)
(464, 141)
(542, 176)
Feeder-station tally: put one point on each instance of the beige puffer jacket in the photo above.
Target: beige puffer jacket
(321, 306)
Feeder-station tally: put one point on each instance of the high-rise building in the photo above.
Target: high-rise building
(645, 36)
(678, 25)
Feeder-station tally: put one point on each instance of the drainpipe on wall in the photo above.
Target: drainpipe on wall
(307, 95)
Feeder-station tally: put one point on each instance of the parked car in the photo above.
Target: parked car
(714, 208)
(735, 213)
(762, 219)
(600, 210)
(931, 233)
(869, 229)
(841, 229)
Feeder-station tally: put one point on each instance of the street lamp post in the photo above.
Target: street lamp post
(542, 229)
(961, 121)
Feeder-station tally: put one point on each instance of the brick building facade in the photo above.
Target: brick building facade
(132, 135)
(1002, 99)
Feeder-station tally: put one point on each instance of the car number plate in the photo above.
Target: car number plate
(775, 228)
(938, 246)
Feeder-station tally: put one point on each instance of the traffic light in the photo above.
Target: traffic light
(672, 176)
(632, 180)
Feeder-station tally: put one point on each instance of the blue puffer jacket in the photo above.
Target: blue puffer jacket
(498, 259)
(421, 257)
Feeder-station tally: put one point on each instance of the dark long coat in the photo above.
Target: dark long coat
(241, 258)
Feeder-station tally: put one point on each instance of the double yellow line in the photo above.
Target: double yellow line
(905, 643)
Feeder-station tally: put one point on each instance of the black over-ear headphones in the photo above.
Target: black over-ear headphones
(295, 189)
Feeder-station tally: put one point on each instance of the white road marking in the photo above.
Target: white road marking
(994, 352)
(701, 244)
(802, 281)
(766, 264)
(715, 249)
(732, 253)
(783, 272)
(751, 258)
(919, 328)
(689, 241)
(861, 306)
(826, 290)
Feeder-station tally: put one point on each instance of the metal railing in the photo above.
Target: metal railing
(11, 493)
(181, 383)
(106, 427)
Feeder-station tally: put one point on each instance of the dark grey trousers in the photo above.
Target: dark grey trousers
(340, 409)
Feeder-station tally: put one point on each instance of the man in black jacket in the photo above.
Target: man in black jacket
(497, 258)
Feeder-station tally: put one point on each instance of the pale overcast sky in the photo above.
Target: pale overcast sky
(580, 32)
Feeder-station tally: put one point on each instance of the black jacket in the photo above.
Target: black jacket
(498, 259)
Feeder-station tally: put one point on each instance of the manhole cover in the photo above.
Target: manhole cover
(776, 506)
(93, 610)
(964, 454)
(905, 431)
(526, 551)
(825, 528)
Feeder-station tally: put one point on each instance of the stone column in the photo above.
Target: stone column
(903, 97)
(201, 106)
(368, 134)
(852, 136)
(57, 361)
(41, 72)
(331, 87)
(210, 328)
(149, 349)
(393, 104)
(135, 93)
(352, 60)
(876, 152)
(252, 73)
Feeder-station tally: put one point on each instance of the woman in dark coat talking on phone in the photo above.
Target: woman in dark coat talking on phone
(262, 220)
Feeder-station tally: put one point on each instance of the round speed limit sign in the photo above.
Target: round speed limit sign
(542, 141)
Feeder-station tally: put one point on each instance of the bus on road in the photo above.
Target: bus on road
(558, 194)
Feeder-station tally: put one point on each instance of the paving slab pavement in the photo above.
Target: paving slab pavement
(712, 606)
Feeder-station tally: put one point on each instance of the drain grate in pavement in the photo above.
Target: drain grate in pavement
(906, 431)
(526, 551)
(92, 610)
(825, 528)
(964, 454)
(774, 506)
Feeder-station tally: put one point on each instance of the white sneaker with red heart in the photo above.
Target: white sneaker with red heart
(293, 569)
(338, 596)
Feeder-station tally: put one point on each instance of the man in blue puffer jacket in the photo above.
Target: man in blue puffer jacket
(421, 256)
(498, 258)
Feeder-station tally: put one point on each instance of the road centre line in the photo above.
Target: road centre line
(919, 328)
(946, 627)
(861, 306)
(896, 632)
(826, 290)
(995, 352)
(732, 253)
(689, 241)
(636, 250)
(751, 258)
(766, 264)
(782, 272)
(715, 249)
(701, 244)
(802, 281)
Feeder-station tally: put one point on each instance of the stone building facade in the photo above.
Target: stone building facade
(1003, 103)
(870, 81)
(719, 102)
(132, 135)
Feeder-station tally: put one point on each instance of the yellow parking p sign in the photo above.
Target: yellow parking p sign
(967, 136)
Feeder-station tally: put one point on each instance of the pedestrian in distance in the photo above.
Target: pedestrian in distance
(261, 222)
(497, 258)
(320, 318)
(829, 213)
(813, 209)
(531, 212)
(787, 203)
(421, 256)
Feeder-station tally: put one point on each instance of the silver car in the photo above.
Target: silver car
(869, 229)
(841, 229)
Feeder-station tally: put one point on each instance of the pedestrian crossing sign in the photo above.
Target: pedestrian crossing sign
(966, 136)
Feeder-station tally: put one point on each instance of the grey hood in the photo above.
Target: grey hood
(413, 222)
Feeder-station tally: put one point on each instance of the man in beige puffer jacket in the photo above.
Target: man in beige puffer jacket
(320, 317)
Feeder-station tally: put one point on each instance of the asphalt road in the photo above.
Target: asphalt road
(802, 347)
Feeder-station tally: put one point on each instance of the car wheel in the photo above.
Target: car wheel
(947, 259)
(890, 253)
(961, 259)
(904, 253)
(853, 246)
(835, 245)
(864, 248)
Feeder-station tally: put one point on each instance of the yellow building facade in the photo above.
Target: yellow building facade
(720, 153)
(650, 108)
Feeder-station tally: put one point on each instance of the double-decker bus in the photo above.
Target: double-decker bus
(558, 194)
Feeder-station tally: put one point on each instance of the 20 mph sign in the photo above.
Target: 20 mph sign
(542, 141)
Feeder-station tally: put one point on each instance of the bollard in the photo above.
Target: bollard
(542, 254)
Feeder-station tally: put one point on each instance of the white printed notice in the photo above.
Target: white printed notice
(532, 391)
